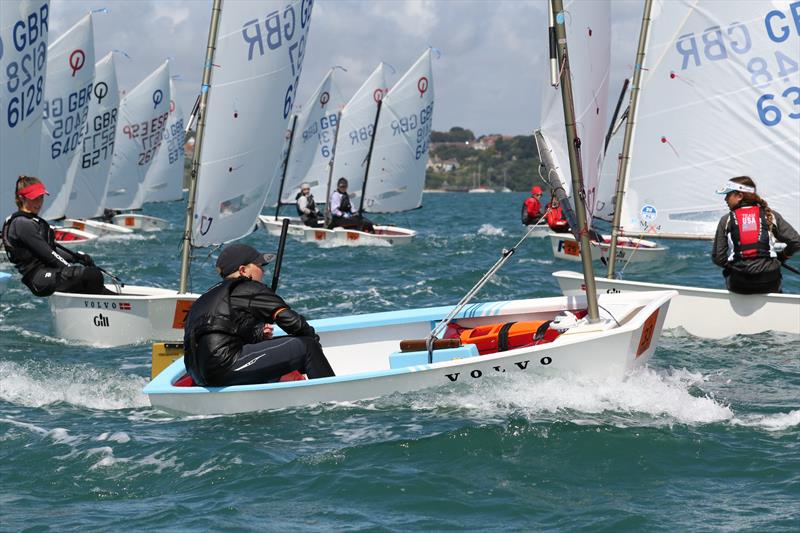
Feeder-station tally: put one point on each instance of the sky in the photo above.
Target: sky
(488, 77)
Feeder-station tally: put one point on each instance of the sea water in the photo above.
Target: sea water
(706, 438)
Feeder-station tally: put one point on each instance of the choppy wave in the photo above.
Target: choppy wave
(37, 384)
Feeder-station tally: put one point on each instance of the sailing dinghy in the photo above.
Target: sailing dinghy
(91, 171)
(143, 116)
(244, 120)
(468, 343)
(365, 355)
(700, 119)
(381, 148)
(589, 29)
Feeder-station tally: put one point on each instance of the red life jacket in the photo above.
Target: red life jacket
(748, 234)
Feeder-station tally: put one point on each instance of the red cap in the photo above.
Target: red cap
(32, 192)
(536, 190)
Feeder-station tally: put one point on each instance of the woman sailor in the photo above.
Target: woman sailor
(30, 244)
(744, 245)
(307, 207)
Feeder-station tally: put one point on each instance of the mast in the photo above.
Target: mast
(625, 157)
(573, 145)
(216, 12)
(330, 167)
(285, 166)
(369, 157)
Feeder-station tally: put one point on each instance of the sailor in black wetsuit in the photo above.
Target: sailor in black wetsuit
(30, 244)
(228, 333)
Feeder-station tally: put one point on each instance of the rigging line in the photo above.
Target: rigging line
(505, 256)
(609, 314)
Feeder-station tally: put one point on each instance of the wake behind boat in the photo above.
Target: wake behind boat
(364, 352)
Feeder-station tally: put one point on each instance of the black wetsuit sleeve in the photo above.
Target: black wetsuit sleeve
(785, 233)
(27, 232)
(719, 252)
(267, 306)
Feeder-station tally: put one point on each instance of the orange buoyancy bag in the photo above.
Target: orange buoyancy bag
(494, 338)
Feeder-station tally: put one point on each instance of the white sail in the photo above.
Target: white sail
(23, 64)
(258, 60)
(313, 141)
(720, 98)
(68, 92)
(164, 180)
(397, 167)
(143, 115)
(588, 26)
(355, 131)
(92, 168)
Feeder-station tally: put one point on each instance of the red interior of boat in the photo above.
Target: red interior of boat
(187, 381)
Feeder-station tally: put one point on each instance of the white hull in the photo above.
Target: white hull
(383, 236)
(96, 227)
(140, 222)
(72, 236)
(631, 250)
(481, 190)
(708, 313)
(139, 314)
(360, 349)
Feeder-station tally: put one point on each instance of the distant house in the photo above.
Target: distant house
(488, 141)
(442, 165)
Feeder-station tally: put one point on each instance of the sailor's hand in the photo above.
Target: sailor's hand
(267, 331)
(85, 259)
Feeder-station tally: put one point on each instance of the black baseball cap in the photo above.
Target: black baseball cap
(235, 255)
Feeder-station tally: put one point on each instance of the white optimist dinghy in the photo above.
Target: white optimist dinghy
(373, 356)
(364, 352)
(143, 117)
(385, 170)
(244, 120)
(565, 246)
(673, 177)
(590, 32)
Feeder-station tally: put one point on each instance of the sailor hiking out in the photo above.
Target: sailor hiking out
(30, 244)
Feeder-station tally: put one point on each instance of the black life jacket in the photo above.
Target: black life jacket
(310, 204)
(748, 234)
(344, 203)
(211, 317)
(21, 256)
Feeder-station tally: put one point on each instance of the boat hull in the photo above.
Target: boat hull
(96, 227)
(565, 246)
(136, 221)
(140, 314)
(360, 349)
(72, 236)
(383, 236)
(708, 313)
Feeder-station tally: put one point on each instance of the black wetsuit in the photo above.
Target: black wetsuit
(46, 267)
(224, 339)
